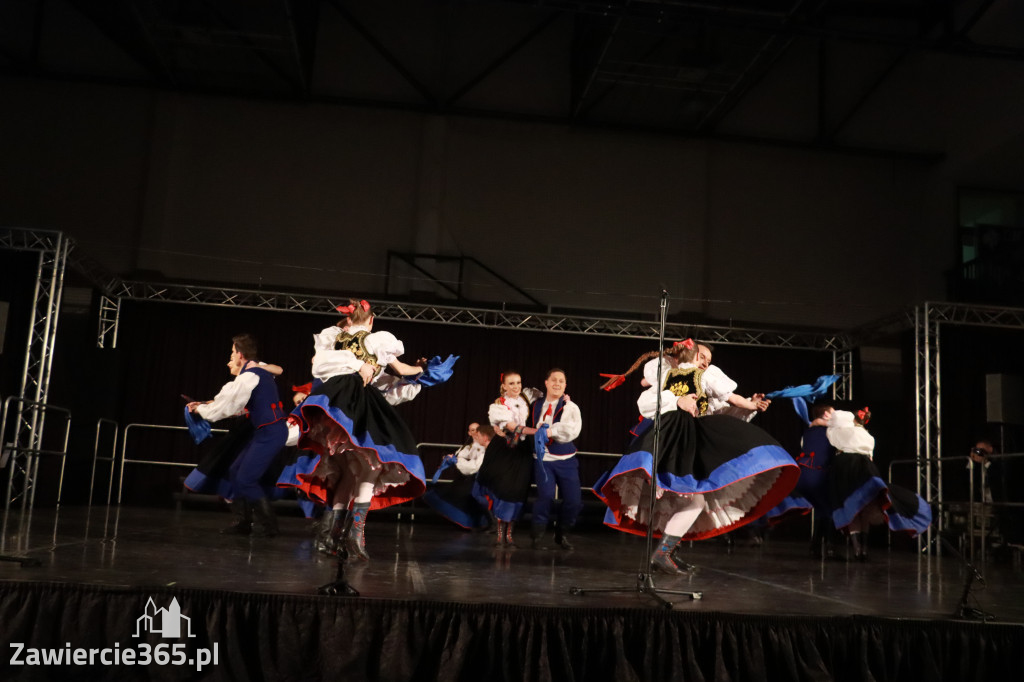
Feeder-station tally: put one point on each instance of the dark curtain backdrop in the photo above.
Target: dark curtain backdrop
(285, 637)
(165, 350)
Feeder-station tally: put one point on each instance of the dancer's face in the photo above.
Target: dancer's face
(512, 385)
(703, 356)
(555, 384)
(236, 361)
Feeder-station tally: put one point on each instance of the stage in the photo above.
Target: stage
(439, 602)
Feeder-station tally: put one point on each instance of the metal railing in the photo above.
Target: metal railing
(152, 462)
(973, 506)
(452, 447)
(112, 459)
(31, 470)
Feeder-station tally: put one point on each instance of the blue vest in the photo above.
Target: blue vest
(264, 406)
(554, 447)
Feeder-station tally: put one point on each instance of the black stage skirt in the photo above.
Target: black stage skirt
(741, 471)
(353, 427)
(504, 478)
(854, 483)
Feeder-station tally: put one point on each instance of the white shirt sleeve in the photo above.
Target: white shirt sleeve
(384, 346)
(651, 370)
(232, 398)
(846, 436)
(569, 425)
(647, 403)
(717, 385)
(469, 459)
(395, 390)
(331, 363)
(326, 338)
(499, 415)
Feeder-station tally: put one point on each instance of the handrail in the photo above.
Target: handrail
(155, 462)
(112, 459)
(588, 453)
(970, 499)
(28, 498)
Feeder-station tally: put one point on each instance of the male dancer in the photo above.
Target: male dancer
(558, 423)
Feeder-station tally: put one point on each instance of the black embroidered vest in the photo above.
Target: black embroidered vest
(683, 381)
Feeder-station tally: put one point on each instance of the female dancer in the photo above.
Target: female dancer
(503, 481)
(713, 474)
(368, 457)
(859, 495)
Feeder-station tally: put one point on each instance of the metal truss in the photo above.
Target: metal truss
(842, 364)
(52, 248)
(109, 316)
(473, 317)
(927, 408)
(928, 321)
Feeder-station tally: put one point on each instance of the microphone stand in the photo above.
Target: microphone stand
(645, 577)
(963, 610)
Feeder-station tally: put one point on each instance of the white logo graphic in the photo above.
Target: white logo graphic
(166, 622)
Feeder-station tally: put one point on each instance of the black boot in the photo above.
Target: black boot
(561, 536)
(330, 531)
(499, 533)
(679, 560)
(662, 557)
(264, 522)
(241, 514)
(355, 540)
(508, 535)
(537, 539)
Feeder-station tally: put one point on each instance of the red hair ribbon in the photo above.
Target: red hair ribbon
(349, 309)
(864, 416)
(304, 388)
(687, 344)
(614, 381)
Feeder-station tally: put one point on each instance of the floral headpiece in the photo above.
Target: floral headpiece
(864, 415)
(686, 343)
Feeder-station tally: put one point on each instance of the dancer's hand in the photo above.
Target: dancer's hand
(760, 402)
(688, 403)
(366, 372)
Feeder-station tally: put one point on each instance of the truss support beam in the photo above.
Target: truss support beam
(477, 317)
(109, 316)
(52, 249)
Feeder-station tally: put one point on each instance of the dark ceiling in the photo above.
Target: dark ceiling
(789, 71)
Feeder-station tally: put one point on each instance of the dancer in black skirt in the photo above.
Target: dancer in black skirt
(503, 481)
(859, 495)
(713, 474)
(367, 456)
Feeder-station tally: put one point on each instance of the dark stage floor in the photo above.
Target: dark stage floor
(425, 558)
